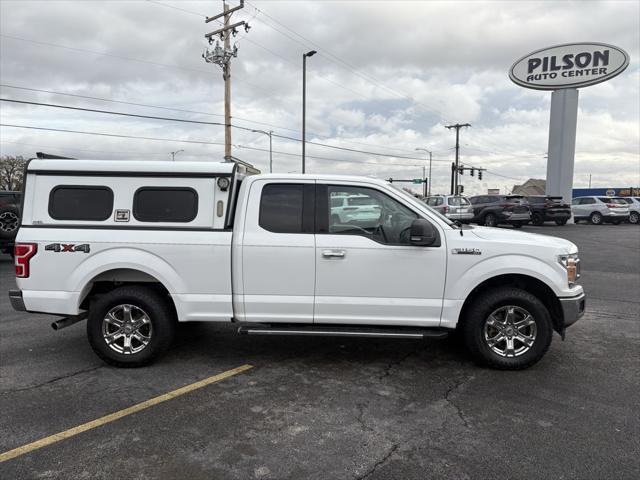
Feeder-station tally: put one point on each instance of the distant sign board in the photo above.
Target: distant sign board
(572, 65)
(493, 191)
(608, 192)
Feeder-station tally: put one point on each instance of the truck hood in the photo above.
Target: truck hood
(524, 238)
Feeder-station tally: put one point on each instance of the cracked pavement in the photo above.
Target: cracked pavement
(323, 408)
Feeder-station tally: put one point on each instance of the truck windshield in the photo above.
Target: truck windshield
(435, 212)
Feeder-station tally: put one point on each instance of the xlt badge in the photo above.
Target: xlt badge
(467, 251)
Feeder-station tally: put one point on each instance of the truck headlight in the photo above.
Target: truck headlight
(571, 263)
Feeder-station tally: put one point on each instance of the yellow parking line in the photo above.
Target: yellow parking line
(16, 452)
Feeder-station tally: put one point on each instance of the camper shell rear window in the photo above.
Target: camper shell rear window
(165, 204)
(80, 202)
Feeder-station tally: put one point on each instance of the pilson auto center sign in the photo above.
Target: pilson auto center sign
(572, 65)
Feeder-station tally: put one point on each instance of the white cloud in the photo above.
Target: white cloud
(420, 65)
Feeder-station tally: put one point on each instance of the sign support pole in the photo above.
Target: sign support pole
(562, 143)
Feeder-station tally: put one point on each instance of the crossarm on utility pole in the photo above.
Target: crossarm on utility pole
(224, 29)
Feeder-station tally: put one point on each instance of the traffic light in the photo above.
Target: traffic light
(471, 173)
(461, 170)
(479, 174)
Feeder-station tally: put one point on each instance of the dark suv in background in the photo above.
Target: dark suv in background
(494, 210)
(548, 209)
(9, 219)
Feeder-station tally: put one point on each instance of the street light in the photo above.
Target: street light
(269, 133)
(310, 53)
(428, 193)
(173, 155)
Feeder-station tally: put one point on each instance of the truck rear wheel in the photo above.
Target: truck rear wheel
(507, 328)
(130, 326)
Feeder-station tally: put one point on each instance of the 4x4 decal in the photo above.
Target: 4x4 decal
(68, 247)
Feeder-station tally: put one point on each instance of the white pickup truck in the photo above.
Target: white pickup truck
(136, 247)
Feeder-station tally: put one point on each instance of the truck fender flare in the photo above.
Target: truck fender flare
(130, 259)
(507, 264)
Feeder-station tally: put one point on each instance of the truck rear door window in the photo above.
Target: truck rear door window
(79, 202)
(165, 204)
(281, 208)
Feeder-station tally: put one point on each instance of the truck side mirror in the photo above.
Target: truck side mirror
(423, 234)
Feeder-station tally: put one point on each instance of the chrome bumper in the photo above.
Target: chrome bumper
(15, 297)
(572, 309)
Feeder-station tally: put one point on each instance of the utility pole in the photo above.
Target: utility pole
(304, 105)
(454, 172)
(427, 190)
(222, 56)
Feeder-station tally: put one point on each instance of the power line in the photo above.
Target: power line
(201, 122)
(109, 134)
(177, 8)
(195, 142)
(331, 57)
(178, 110)
(335, 59)
(130, 59)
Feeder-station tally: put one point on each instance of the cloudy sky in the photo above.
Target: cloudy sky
(387, 77)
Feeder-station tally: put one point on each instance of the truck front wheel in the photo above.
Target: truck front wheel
(507, 328)
(130, 326)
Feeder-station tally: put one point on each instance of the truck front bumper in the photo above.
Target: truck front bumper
(15, 297)
(572, 309)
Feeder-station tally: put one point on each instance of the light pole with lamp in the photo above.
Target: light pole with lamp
(173, 155)
(310, 53)
(269, 134)
(427, 193)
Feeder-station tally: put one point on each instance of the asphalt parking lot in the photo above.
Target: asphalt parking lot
(327, 408)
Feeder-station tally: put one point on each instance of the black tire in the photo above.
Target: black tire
(9, 222)
(490, 220)
(161, 326)
(537, 219)
(488, 303)
(561, 222)
(634, 218)
(596, 218)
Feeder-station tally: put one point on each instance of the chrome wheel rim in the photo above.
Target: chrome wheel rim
(510, 331)
(596, 218)
(633, 218)
(8, 221)
(127, 329)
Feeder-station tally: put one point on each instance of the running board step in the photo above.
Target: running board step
(332, 331)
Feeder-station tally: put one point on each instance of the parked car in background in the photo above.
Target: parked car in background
(9, 219)
(354, 209)
(454, 207)
(494, 210)
(545, 208)
(634, 208)
(598, 210)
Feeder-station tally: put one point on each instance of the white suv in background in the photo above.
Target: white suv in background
(598, 210)
(354, 209)
(634, 208)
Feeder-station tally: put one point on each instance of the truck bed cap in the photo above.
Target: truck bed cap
(130, 166)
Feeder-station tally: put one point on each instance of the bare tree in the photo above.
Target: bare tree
(11, 172)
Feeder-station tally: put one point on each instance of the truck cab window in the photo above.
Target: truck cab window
(281, 208)
(370, 213)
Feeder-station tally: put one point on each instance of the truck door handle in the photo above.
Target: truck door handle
(339, 253)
